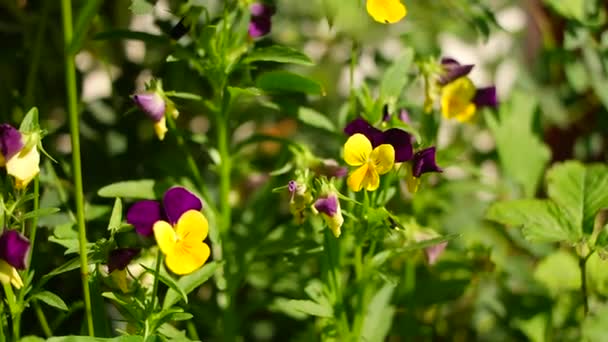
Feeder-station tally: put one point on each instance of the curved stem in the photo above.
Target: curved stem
(44, 324)
(70, 78)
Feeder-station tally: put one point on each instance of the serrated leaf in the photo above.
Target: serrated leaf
(276, 81)
(313, 118)
(279, 54)
(116, 218)
(51, 299)
(144, 189)
(580, 191)
(189, 283)
(541, 220)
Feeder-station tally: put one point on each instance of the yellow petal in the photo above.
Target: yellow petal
(24, 166)
(188, 256)
(192, 226)
(383, 158)
(467, 113)
(160, 128)
(386, 11)
(456, 99)
(357, 150)
(373, 180)
(8, 274)
(357, 178)
(165, 237)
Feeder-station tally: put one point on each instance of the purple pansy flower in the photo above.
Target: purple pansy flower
(398, 138)
(11, 141)
(329, 207)
(260, 23)
(152, 104)
(484, 97)
(120, 258)
(176, 201)
(14, 248)
(424, 161)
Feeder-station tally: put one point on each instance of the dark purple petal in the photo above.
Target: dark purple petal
(120, 258)
(10, 141)
(453, 70)
(14, 248)
(177, 201)
(486, 97)
(424, 161)
(261, 10)
(143, 214)
(360, 125)
(401, 142)
(259, 26)
(151, 103)
(327, 205)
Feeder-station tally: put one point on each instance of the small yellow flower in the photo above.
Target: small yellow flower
(183, 246)
(386, 11)
(372, 163)
(457, 99)
(8, 274)
(24, 166)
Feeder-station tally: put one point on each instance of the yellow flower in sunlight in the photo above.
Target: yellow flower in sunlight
(457, 99)
(372, 163)
(8, 274)
(183, 246)
(386, 11)
(24, 166)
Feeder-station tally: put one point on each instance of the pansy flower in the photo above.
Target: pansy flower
(19, 154)
(118, 260)
(371, 161)
(423, 162)
(459, 96)
(386, 11)
(179, 228)
(156, 106)
(14, 249)
(260, 23)
(400, 140)
(328, 206)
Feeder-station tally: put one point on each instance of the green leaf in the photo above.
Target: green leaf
(184, 95)
(379, 316)
(29, 123)
(144, 189)
(189, 283)
(141, 7)
(571, 9)
(83, 21)
(309, 307)
(279, 54)
(40, 212)
(313, 118)
(580, 191)
(559, 272)
(116, 218)
(541, 220)
(396, 78)
(277, 81)
(523, 156)
(168, 280)
(51, 299)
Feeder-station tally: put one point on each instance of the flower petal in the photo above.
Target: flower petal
(357, 150)
(165, 237)
(386, 11)
(259, 26)
(143, 214)
(424, 161)
(360, 125)
(24, 166)
(327, 205)
(453, 70)
(261, 10)
(401, 142)
(372, 180)
(192, 226)
(8, 274)
(120, 258)
(14, 248)
(187, 257)
(356, 179)
(456, 99)
(383, 158)
(11, 142)
(486, 97)
(160, 128)
(179, 200)
(152, 104)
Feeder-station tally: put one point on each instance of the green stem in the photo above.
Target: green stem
(582, 263)
(13, 310)
(70, 78)
(34, 220)
(2, 337)
(42, 319)
(159, 260)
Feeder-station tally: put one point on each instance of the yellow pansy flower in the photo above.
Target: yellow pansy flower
(386, 11)
(372, 163)
(183, 246)
(24, 166)
(457, 99)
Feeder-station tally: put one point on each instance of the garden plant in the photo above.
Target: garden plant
(323, 170)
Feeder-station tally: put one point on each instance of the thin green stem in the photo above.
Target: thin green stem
(34, 220)
(159, 260)
(72, 99)
(44, 324)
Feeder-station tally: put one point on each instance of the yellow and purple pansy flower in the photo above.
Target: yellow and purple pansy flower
(153, 105)
(459, 96)
(178, 226)
(260, 23)
(424, 161)
(400, 140)
(371, 162)
(14, 250)
(328, 205)
(386, 11)
(19, 154)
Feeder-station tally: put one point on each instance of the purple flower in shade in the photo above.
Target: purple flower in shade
(260, 23)
(399, 139)
(329, 207)
(11, 142)
(424, 161)
(119, 258)
(176, 201)
(453, 70)
(152, 104)
(14, 248)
